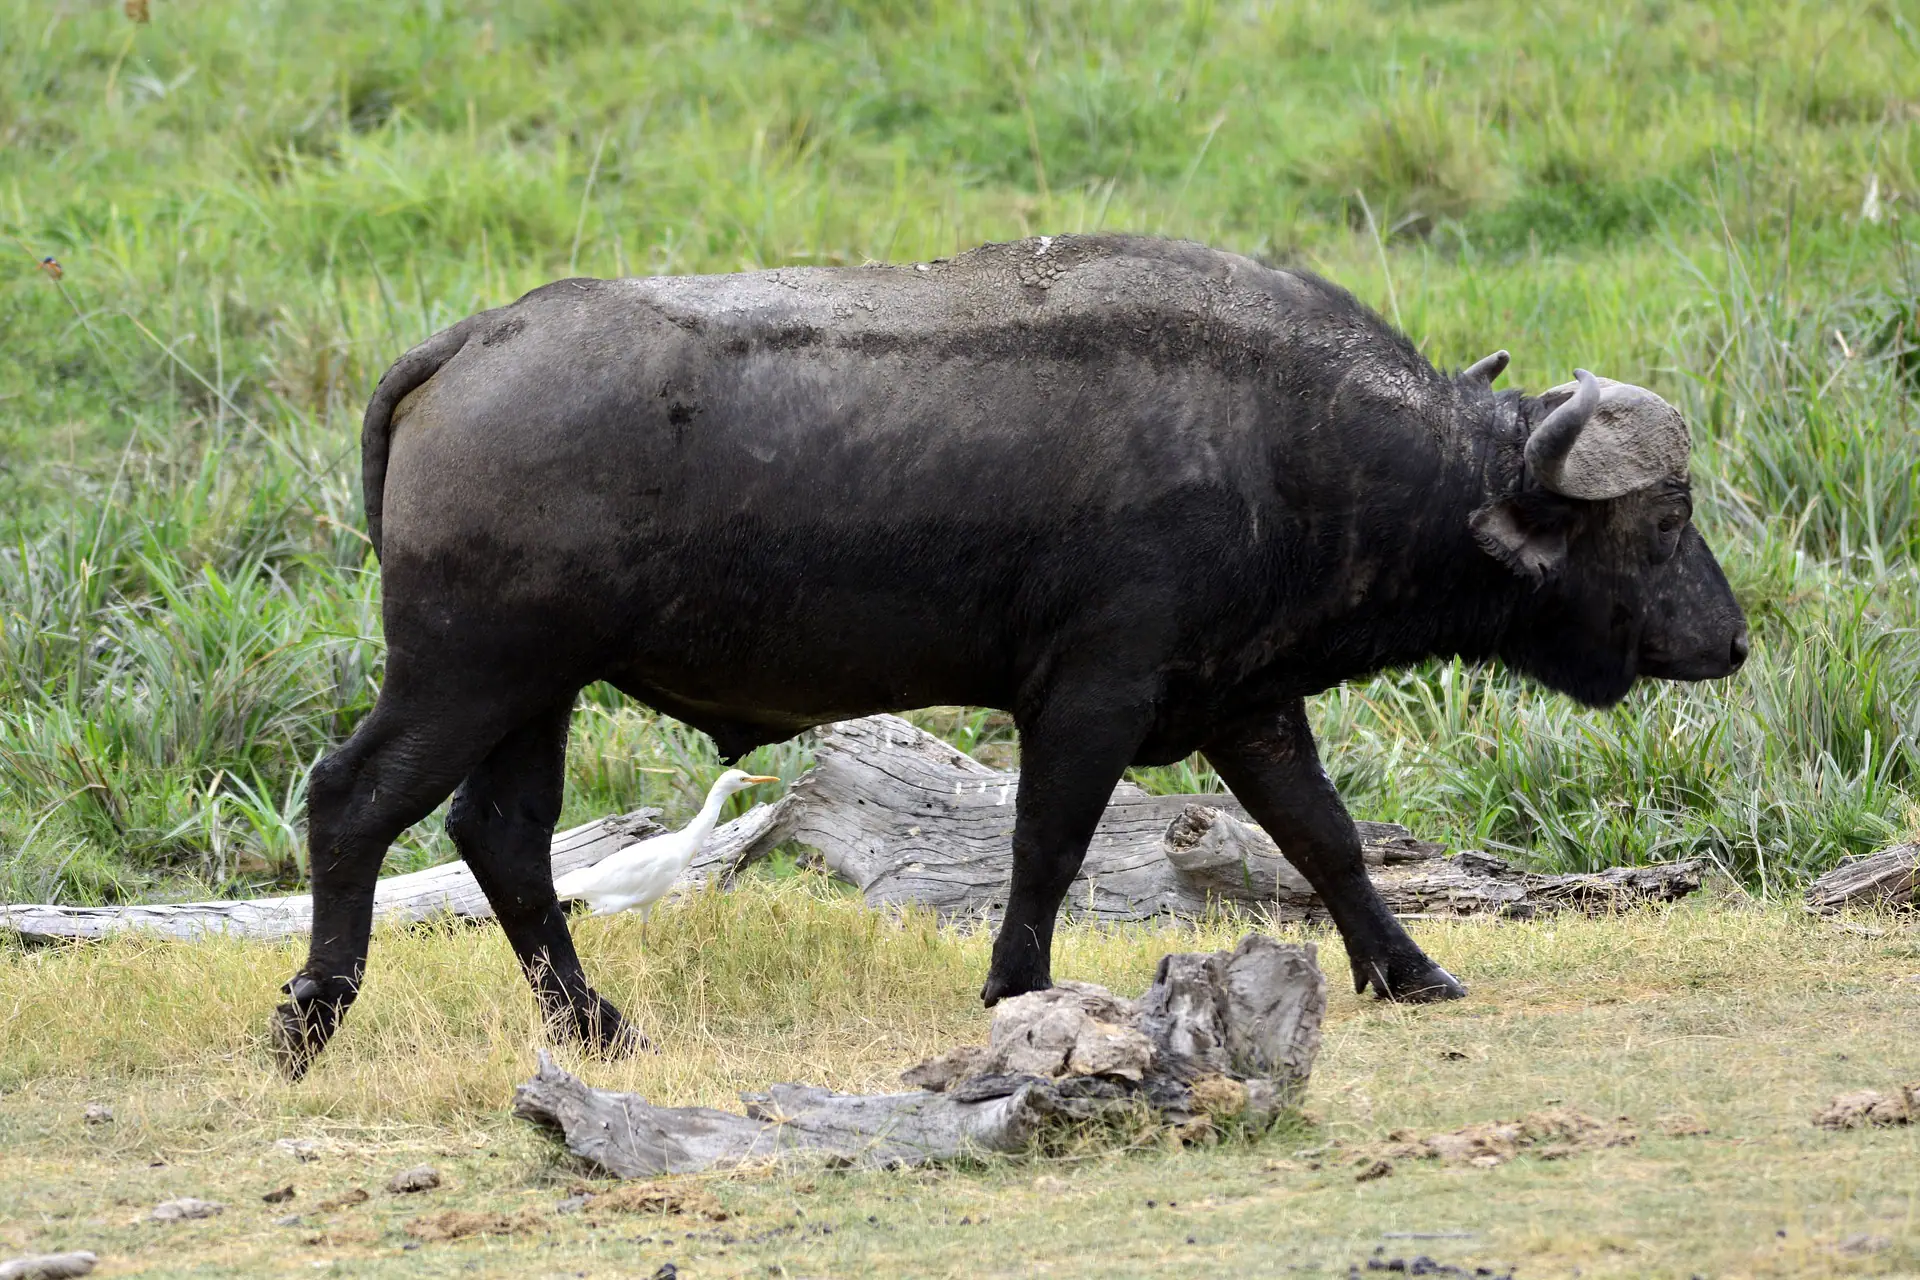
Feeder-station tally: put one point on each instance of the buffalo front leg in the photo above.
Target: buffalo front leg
(1273, 769)
(390, 774)
(1073, 753)
(502, 821)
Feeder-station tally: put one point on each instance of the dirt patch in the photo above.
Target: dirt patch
(1546, 1135)
(457, 1224)
(1871, 1109)
(655, 1197)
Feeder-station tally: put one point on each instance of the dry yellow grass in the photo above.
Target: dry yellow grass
(1746, 1018)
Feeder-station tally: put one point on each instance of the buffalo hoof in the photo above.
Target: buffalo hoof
(298, 1032)
(1403, 981)
(600, 1029)
(1000, 987)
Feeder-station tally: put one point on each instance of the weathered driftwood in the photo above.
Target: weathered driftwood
(1888, 878)
(909, 819)
(1225, 1037)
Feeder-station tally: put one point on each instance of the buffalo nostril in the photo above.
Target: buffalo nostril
(1738, 651)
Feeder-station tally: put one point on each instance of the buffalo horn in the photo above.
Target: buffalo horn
(1485, 369)
(1553, 440)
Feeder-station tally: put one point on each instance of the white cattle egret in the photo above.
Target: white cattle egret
(640, 874)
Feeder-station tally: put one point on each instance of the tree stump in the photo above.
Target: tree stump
(1219, 1039)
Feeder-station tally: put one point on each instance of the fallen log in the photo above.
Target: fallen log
(448, 889)
(1890, 878)
(1221, 1038)
(911, 820)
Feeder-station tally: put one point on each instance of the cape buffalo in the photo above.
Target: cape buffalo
(1144, 495)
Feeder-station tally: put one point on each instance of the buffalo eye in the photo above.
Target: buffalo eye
(1667, 539)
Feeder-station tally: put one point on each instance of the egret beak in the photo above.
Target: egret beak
(756, 777)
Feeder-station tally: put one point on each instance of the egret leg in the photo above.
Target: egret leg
(502, 820)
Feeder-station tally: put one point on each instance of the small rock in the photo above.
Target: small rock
(291, 1220)
(48, 1266)
(97, 1114)
(667, 1270)
(305, 1150)
(573, 1204)
(419, 1178)
(280, 1195)
(184, 1208)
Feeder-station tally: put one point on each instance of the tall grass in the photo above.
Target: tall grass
(258, 205)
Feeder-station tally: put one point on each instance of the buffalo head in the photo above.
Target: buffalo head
(1600, 524)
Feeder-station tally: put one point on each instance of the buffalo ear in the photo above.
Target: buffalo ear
(1518, 538)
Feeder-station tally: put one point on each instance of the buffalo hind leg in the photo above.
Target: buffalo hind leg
(1274, 770)
(502, 820)
(387, 776)
(1073, 753)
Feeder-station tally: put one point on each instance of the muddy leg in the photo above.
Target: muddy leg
(396, 767)
(502, 820)
(1073, 753)
(1274, 770)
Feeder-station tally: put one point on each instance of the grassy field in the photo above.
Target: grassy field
(257, 205)
(1744, 1018)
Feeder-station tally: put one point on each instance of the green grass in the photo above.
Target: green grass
(258, 205)
(1746, 1018)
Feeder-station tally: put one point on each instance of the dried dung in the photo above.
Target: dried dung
(656, 1197)
(457, 1224)
(351, 1196)
(1871, 1109)
(1549, 1135)
(184, 1208)
(1683, 1125)
(280, 1195)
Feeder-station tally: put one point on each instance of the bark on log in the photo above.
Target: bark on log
(1226, 1037)
(1888, 878)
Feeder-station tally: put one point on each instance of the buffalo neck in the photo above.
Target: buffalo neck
(1395, 577)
